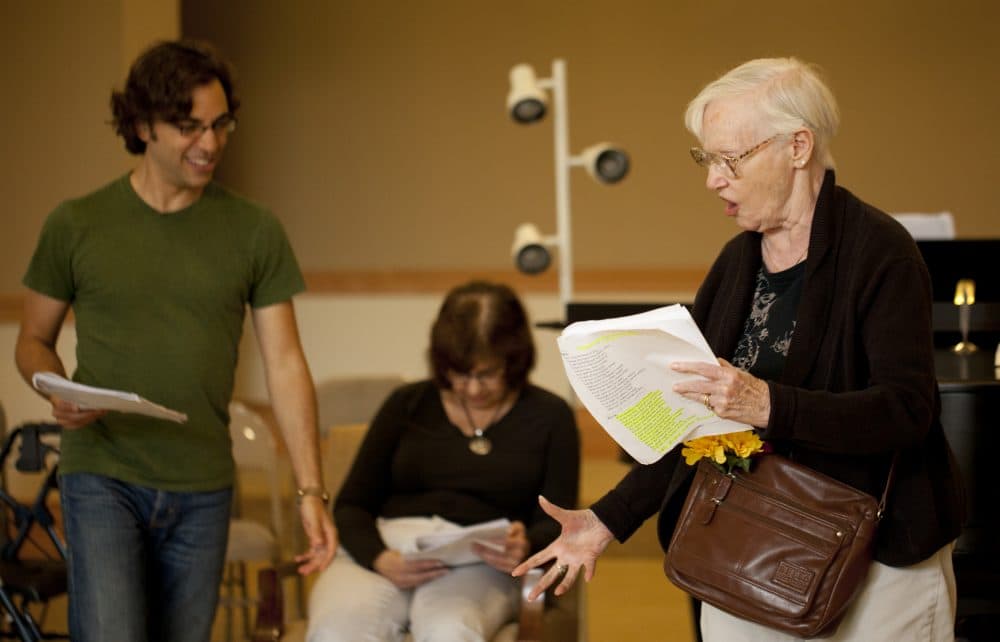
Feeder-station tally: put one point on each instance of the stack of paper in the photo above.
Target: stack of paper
(619, 368)
(454, 546)
(102, 398)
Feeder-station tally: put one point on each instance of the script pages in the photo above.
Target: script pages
(453, 546)
(619, 369)
(102, 398)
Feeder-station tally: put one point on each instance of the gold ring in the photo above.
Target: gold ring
(561, 570)
(707, 400)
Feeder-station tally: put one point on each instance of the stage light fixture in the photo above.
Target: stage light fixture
(526, 100)
(605, 163)
(529, 250)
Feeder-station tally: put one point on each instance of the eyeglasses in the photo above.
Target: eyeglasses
(729, 164)
(221, 126)
(487, 377)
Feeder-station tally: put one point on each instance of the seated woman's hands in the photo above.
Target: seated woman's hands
(516, 547)
(406, 574)
(583, 538)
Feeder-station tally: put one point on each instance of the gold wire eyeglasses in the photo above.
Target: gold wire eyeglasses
(729, 164)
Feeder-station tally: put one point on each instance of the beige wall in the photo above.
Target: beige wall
(376, 128)
(59, 60)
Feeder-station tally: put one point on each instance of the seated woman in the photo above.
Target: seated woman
(475, 443)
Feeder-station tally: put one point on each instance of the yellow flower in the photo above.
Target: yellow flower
(734, 448)
(743, 443)
(710, 447)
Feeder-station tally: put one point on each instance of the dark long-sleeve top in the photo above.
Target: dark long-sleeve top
(858, 382)
(415, 462)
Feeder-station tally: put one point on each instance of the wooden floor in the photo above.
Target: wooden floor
(629, 598)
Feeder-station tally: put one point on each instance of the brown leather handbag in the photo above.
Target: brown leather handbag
(782, 545)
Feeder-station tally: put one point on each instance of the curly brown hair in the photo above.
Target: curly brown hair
(159, 87)
(481, 321)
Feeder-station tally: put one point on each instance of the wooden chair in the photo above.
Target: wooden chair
(347, 400)
(250, 539)
(544, 619)
(352, 399)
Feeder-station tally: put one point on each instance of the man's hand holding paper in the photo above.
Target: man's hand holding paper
(71, 416)
(76, 403)
(621, 371)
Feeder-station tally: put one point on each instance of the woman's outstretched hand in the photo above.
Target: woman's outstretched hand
(583, 539)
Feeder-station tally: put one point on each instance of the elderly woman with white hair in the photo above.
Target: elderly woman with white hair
(821, 308)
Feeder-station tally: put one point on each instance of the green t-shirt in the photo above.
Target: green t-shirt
(159, 301)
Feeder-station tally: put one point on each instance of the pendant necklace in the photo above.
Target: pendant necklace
(480, 443)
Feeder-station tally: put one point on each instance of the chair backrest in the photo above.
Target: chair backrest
(352, 400)
(339, 449)
(255, 449)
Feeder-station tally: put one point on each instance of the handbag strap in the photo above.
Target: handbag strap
(888, 485)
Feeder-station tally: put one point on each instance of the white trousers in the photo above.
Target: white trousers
(912, 604)
(350, 603)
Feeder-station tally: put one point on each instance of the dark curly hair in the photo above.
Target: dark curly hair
(480, 321)
(159, 87)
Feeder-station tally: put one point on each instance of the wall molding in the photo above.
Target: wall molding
(408, 281)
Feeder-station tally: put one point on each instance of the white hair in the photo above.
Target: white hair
(789, 94)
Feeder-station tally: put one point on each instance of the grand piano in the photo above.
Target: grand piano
(970, 414)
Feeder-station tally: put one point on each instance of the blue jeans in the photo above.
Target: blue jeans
(144, 564)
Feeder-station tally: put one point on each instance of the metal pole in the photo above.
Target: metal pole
(561, 136)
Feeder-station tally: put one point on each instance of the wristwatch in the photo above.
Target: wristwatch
(313, 491)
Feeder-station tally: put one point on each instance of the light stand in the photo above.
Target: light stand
(526, 103)
(560, 136)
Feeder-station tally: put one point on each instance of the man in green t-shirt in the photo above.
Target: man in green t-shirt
(159, 267)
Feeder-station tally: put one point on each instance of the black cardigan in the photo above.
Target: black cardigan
(858, 382)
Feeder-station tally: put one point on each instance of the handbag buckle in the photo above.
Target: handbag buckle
(722, 486)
